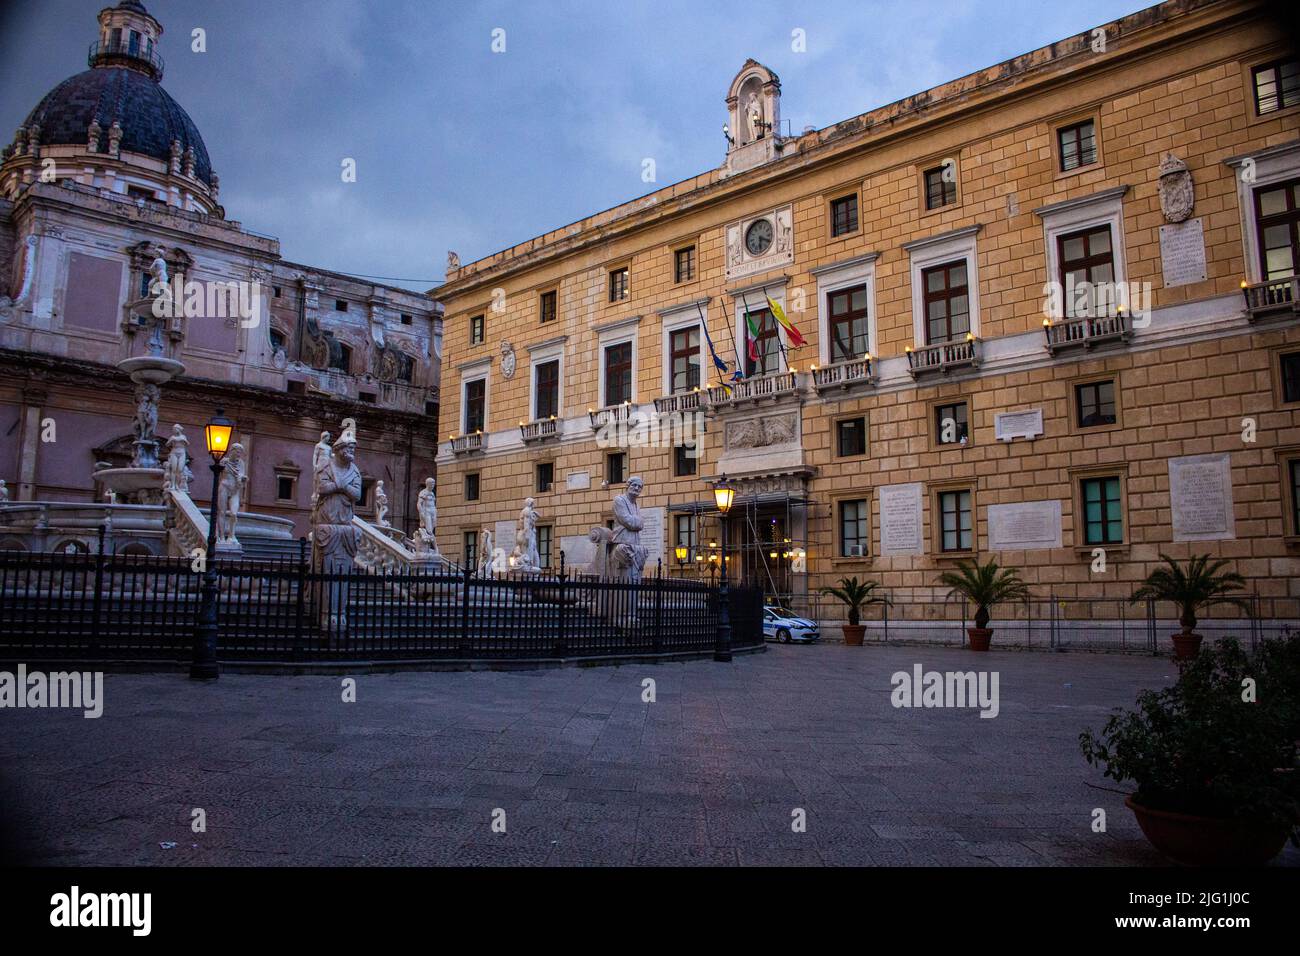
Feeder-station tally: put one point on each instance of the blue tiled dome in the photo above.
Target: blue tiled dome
(150, 118)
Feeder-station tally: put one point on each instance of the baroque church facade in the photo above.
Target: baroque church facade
(108, 183)
(1046, 312)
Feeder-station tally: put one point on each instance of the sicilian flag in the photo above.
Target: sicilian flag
(794, 335)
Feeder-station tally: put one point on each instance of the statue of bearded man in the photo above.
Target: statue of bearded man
(338, 489)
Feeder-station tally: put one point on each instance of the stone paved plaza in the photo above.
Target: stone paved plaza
(710, 773)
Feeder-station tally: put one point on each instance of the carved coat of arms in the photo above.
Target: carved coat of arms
(1177, 194)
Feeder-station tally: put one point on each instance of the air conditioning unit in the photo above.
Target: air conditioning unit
(857, 551)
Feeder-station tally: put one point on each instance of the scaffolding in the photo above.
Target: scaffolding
(770, 552)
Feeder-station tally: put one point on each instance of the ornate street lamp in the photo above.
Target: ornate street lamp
(724, 495)
(204, 664)
(681, 552)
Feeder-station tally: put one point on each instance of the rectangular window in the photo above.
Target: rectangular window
(853, 528)
(767, 344)
(340, 305)
(475, 405)
(844, 215)
(407, 318)
(618, 373)
(1102, 514)
(1277, 86)
(684, 534)
(684, 264)
(939, 190)
(544, 538)
(470, 548)
(547, 396)
(1291, 377)
(947, 302)
(545, 476)
(684, 461)
(476, 331)
(1095, 402)
(471, 486)
(284, 488)
(851, 437)
(1277, 221)
(615, 467)
(1293, 470)
(955, 526)
(618, 285)
(684, 349)
(547, 306)
(848, 318)
(341, 358)
(1077, 145)
(1088, 257)
(951, 423)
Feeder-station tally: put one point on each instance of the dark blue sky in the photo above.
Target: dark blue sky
(462, 148)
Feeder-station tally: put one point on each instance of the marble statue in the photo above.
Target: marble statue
(333, 538)
(176, 471)
(754, 116)
(525, 556)
(4, 492)
(158, 272)
(453, 261)
(146, 423)
(485, 552)
(628, 558)
(381, 505)
(426, 504)
(230, 495)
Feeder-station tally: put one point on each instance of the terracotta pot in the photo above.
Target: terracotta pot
(853, 634)
(979, 637)
(1209, 841)
(1186, 646)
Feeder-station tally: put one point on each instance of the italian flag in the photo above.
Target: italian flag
(751, 335)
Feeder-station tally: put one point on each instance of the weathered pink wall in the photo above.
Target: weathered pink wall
(67, 462)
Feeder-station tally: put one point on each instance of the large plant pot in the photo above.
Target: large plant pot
(1209, 841)
(979, 637)
(853, 634)
(1186, 646)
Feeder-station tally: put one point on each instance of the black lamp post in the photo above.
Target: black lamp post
(204, 664)
(723, 495)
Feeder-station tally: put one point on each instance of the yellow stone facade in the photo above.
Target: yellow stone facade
(1202, 376)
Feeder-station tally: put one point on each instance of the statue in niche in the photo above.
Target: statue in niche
(754, 116)
(176, 470)
(230, 496)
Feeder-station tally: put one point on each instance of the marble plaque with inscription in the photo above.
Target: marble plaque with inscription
(1200, 498)
(1182, 252)
(578, 550)
(1024, 526)
(577, 480)
(503, 536)
(900, 519)
(652, 537)
(1009, 425)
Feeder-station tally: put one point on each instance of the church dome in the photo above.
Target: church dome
(150, 119)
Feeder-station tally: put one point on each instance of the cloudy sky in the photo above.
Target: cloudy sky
(458, 147)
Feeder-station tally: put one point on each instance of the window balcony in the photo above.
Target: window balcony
(610, 415)
(1085, 333)
(680, 403)
(843, 375)
(763, 388)
(540, 430)
(943, 358)
(1272, 299)
(467, 444)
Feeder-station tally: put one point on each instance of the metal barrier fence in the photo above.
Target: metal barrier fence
(107, 606)
(1054, 622)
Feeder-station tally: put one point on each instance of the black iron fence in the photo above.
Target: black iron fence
(132, 607)
(1054, 622)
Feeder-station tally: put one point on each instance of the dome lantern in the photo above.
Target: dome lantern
(128, 37)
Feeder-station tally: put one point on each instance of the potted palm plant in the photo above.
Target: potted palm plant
(1198, 585)
(855, 595)
(1216, 773)
(984, 585)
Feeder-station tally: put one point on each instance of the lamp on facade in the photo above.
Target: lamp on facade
(203, 665)
(724, 496)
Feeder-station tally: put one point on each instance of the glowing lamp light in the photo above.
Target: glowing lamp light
(970, 336)
(907, 348)
(1244, 283)
(724, 494)
(680, 551)
(1047, 323)
(217, 435)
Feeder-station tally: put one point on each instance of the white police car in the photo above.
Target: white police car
(781, 625)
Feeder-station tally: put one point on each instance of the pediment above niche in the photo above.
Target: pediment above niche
(753, 117)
